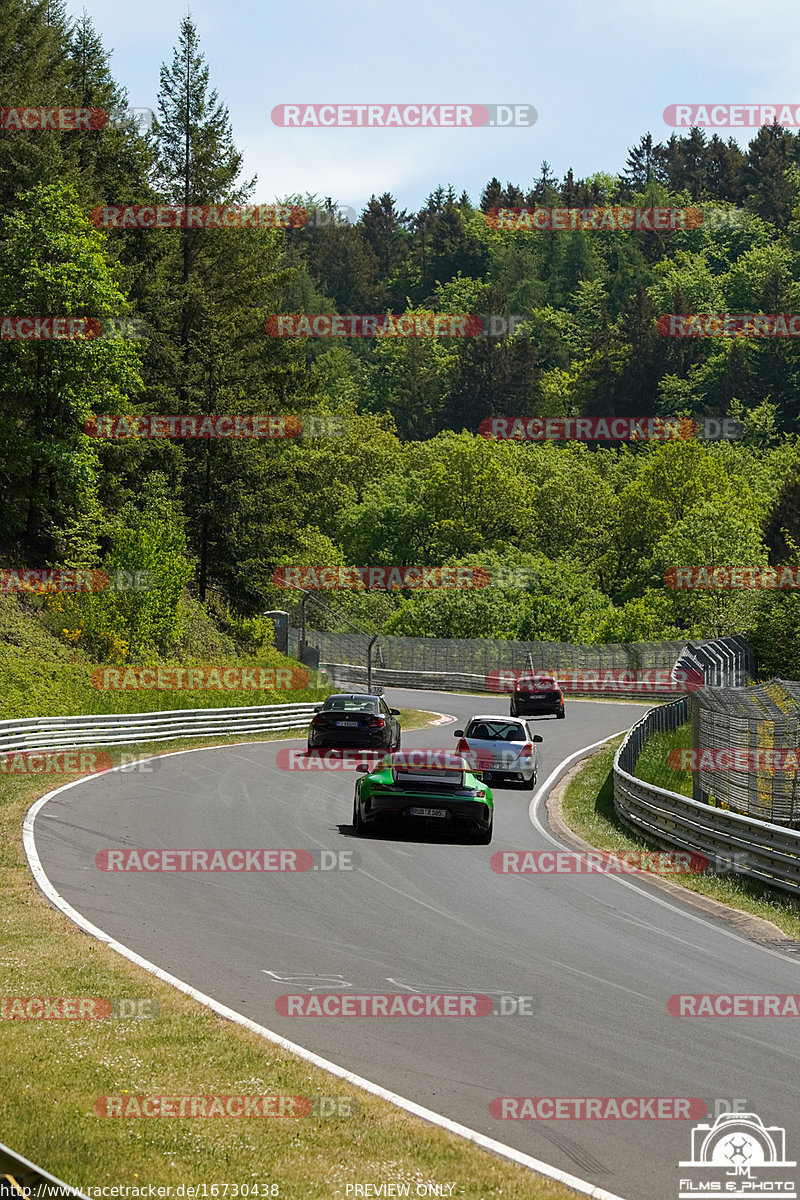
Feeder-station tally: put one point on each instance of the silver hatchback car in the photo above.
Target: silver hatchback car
(501, 748)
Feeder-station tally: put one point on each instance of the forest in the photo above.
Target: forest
(394, 466)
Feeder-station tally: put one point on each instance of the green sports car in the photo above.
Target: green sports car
(449, 796)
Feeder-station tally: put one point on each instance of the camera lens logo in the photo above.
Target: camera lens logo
(738, 1155)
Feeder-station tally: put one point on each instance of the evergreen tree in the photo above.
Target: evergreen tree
(114, 163)
(645, 163)
(34, 37)
(766, 176)
(492, 195)
(217, 287)
(384, 230)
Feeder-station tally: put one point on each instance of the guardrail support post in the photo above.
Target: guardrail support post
(369, 662)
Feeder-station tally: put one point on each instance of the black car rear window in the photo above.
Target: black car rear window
(351, 704)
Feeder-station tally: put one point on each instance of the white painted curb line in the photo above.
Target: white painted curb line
(417, 1110)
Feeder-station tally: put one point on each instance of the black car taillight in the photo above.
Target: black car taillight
(318, 720)
(375, 722)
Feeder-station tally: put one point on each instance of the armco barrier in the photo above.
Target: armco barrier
(19, 1177)
(123, 729)
(344, 674)
(767, 852)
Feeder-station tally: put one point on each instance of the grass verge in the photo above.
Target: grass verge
(587, 807)
(653, 765)
(54, 1071)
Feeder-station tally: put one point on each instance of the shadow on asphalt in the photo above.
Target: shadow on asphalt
(388, 833)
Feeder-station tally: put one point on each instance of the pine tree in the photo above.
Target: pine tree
(645, 164)
(545, 190)
(216, 288)
(34, 37)
(113, 163)
(492, 195)
(384, 231)
(770, 190)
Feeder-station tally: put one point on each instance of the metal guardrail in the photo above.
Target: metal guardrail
(757, 849)
(342, 674)
(20, 1177)
(123, 729)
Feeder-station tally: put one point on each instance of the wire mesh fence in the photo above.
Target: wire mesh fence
(732, 842)
(747, 746)
(479, 663)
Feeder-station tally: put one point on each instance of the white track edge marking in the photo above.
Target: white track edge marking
(652, 893)
(417, 1110)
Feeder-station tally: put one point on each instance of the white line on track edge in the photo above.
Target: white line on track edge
(417, 1110)
(638, 880)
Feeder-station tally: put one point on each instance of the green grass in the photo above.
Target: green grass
(54, 1070)
(653, 765)
(41, 676)
(588, 808)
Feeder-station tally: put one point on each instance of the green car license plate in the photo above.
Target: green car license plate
(428, 812)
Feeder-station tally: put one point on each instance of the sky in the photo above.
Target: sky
(599, 75)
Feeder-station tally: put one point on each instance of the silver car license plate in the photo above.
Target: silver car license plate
(428, 812)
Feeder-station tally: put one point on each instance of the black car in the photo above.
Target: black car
(355, 719)
(537, 696)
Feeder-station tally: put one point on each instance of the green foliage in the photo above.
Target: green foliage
(52, 262)
(127, 622)
(406, 479)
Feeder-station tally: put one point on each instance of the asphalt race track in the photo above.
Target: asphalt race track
(600, 957)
